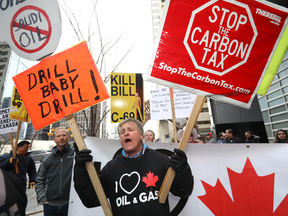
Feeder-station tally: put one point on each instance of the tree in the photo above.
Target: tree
(91, 32)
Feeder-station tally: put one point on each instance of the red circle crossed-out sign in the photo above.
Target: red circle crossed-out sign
(30, 29)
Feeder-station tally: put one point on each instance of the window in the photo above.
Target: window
(265, 117)
(284, 82)
(3, 52)
(262, 102)
(268, 130)
(283, 65)
(285, 90)
(283, 73)
(280, 125)
(277, 109)
(205, 110)
(274, 87)
(276, 102)
(274, 95)
(167, 138)
(2, 67)
(3, 60)
(280, 117)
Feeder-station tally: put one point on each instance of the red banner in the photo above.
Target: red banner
(218, 48)
(61, 85)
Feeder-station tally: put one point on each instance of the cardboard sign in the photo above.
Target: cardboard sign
(17, 109)
(8, 125)
(61, 85)
(160, 104)
(31, 27)
(219, 49)
(127, 97)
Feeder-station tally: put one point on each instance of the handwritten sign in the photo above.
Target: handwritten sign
(7, 125)
(61, 85)
(160, 104)
(17, 109)
(31, 27)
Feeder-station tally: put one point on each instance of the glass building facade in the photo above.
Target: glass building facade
(274, 104)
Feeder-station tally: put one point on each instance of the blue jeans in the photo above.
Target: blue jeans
(55, 210)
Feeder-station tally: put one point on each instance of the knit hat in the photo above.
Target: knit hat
(209, 134)
(181, 131)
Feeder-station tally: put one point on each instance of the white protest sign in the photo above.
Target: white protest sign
(160, 103)
(31, 27)
(7, 125)
(225, 176)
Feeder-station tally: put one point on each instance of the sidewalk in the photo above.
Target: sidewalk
(32, 206)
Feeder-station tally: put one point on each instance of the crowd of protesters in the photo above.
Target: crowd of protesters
(53, 180)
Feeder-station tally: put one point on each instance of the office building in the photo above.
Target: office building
(274, 104)
(6, 102)
(5, 52)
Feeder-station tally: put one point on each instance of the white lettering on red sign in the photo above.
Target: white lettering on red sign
(224, 38)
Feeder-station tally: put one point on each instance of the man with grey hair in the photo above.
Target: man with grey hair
(54, 176)
(133, 179)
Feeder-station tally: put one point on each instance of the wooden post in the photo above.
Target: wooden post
(17, 133)
(173, 115)
(90, 166)
(14, 148)
(166, 185)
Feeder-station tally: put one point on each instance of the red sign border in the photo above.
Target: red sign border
(30, 7)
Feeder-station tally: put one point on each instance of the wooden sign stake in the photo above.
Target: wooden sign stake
(14, 148)
(166, 185)
(90, 166)
(173, 115)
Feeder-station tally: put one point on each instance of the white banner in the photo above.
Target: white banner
(160, 103)
(7, 125)
(229, 179)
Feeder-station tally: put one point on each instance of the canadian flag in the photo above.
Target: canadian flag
(239, 179)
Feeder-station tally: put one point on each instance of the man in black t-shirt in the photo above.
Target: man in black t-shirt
(133, 179)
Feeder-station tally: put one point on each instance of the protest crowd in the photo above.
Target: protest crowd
(53, 180)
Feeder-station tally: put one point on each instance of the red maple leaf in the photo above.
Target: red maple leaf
(252, 195)
(150, 180)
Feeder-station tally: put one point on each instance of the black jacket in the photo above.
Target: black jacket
(26, 165)
(54, 177)
(132, 184)
(253, 139)
(234, 139)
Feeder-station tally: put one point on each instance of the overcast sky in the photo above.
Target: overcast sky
(129, 18)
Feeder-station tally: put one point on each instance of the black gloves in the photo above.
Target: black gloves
(82, 157)
(178, 161)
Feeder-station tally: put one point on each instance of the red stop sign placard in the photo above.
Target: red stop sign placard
(219, 49)
(214, 38)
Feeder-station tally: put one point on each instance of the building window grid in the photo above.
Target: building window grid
(271, 124)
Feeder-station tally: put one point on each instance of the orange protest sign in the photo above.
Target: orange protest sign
(61, 85)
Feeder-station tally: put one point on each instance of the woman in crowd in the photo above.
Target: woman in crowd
(281, 136)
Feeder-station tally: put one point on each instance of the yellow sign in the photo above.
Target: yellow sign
(18, 110)
(127, 97)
